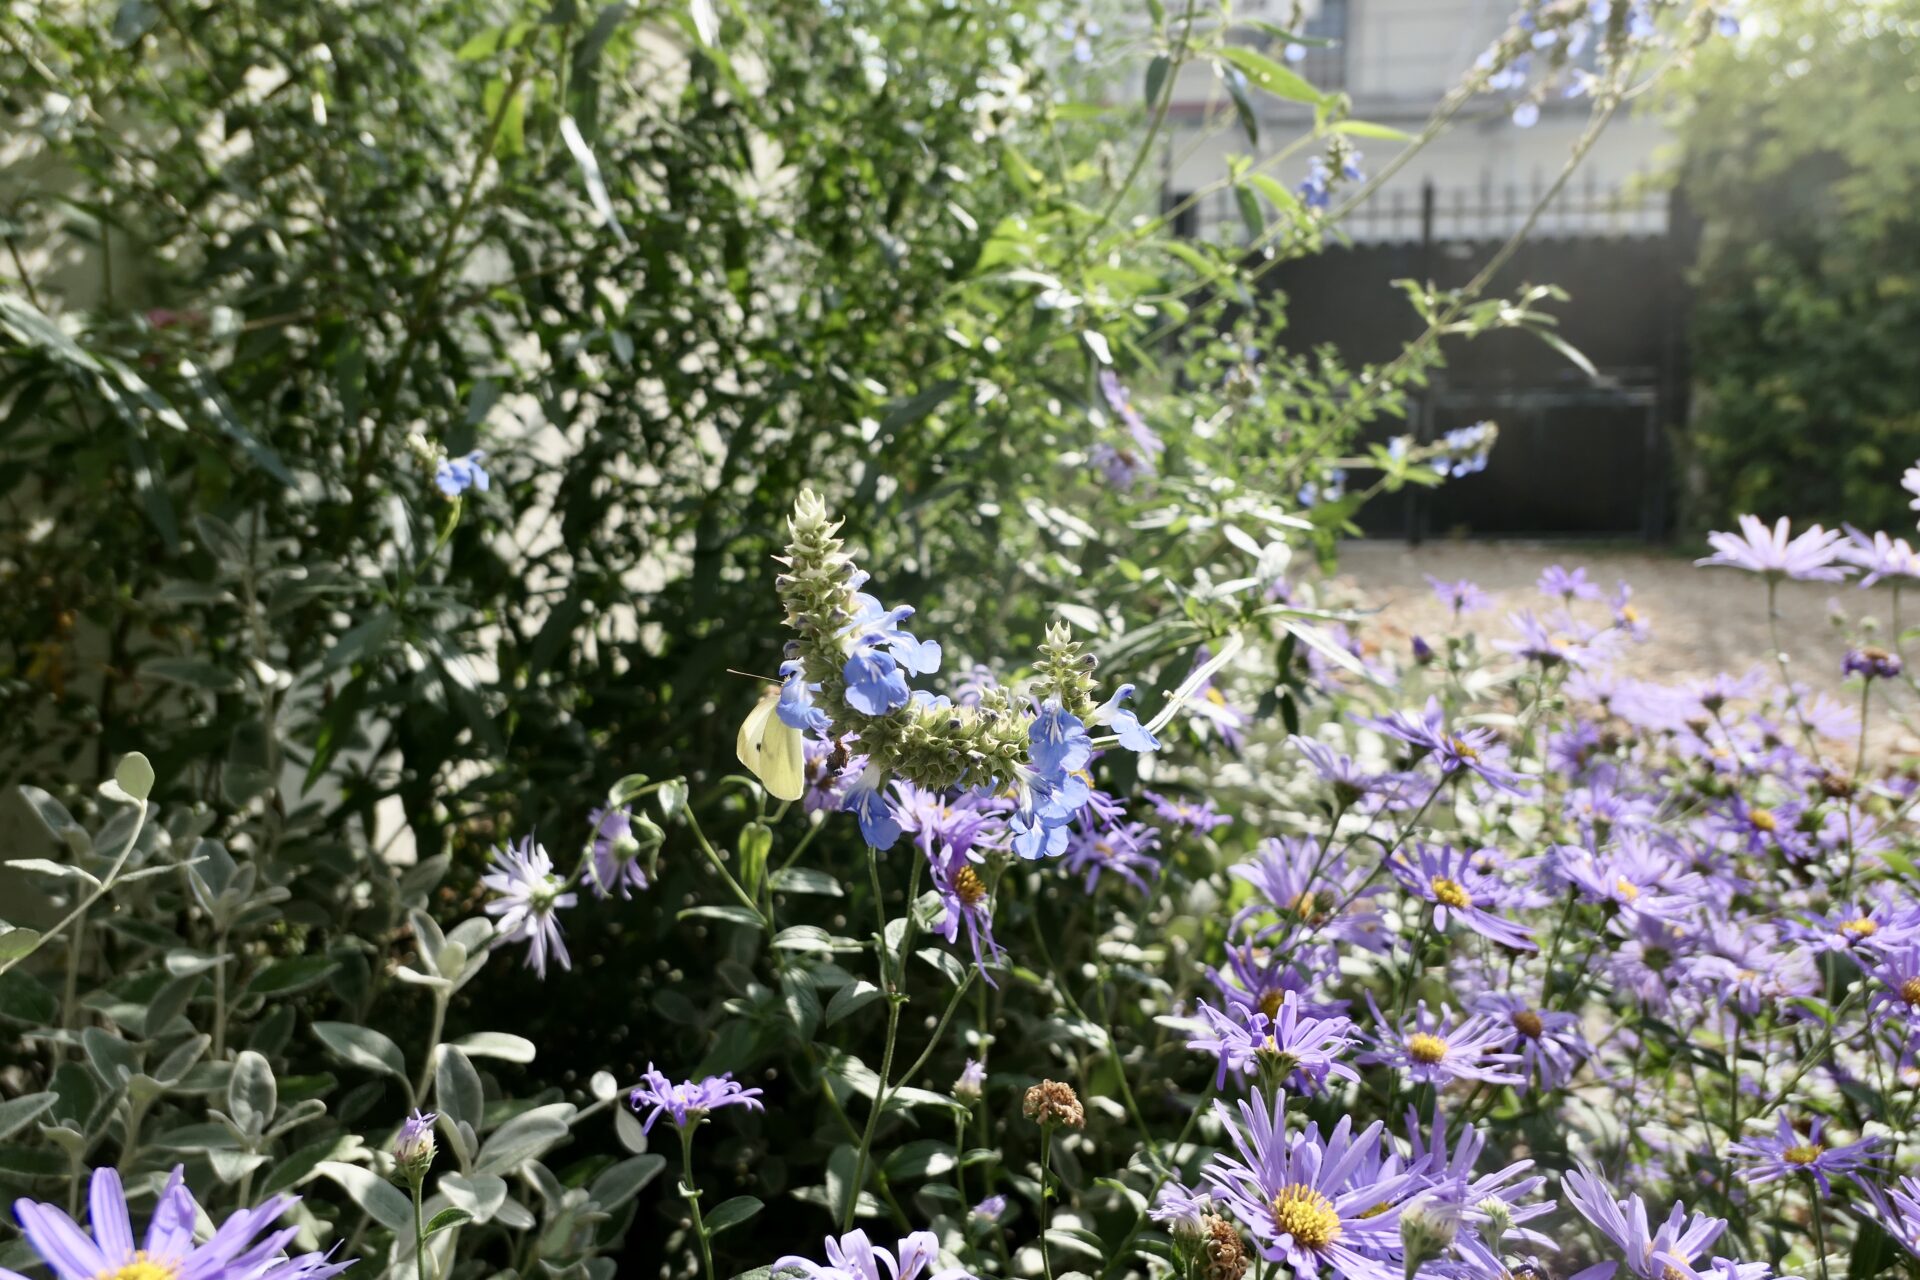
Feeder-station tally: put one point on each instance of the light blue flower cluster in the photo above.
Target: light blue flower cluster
(846, 679)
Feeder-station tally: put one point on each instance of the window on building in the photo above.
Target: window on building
(1325, 65)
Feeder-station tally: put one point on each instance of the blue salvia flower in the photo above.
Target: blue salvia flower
(875, 683)
(454, 476)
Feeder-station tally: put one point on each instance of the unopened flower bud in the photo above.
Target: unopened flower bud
(1499, 1215)
(972, 1082)
(413, 1148)
(1427, 1229)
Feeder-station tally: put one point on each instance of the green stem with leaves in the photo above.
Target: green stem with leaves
(691, 1194)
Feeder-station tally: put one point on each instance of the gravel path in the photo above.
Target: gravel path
(1702, 620)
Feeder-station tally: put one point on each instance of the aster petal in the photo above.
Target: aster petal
(107, 1215)
(68, 1250)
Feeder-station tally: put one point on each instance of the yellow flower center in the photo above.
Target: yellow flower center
(1217, 698)
(1465, 750)
(1910, 991)
(1425, 1048)
(1270, 1001)
(1528, 1023)
(1805, 1153)
(1377, 1210)
(142, 1267)
(1860, 927)
(967, 886)
(1763, 819)
(1307, 1216)
(1627, 889)
(1451, 893)
(1629, 613)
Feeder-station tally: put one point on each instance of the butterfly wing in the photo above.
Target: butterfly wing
(772, 750)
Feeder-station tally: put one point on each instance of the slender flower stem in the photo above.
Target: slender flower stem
(894, 989)
(691, 1194)
(1046, 1152)
(419, 1233)
(100, 891)
(1817, 1204)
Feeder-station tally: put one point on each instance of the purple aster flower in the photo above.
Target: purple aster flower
(1125, 849)
(1873, 927)
(1813, 556)
(1199, 816)
(1348, 780)
(853, 1257)
(947, 825)
(1476, 749)
(1626, 618)
(1313, 1204)
(529, 900)
(1567, 584)
(1898, 996)
(1787, 1151)
(1447, 879)
(236, 1251)
(1872, 663)
(832, 767)
(1506, 1185)
(1550, 1045)
(454, 476)
(616, 854)
(1910, 481)
(1211, 707)
(1880, 556)
(1309, 890)
(1433, 1049)
(1300, 1049)
(1669, 1253)
(1568, 643)
(1631, 875)
(964, 900)
(1460, 596)
(1896, 1208)
(688, 1102)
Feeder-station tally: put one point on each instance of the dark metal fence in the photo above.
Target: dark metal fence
(1578, 455)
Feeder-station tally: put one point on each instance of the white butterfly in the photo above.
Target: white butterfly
(772, 750)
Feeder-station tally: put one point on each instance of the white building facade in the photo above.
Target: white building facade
(1397, 59)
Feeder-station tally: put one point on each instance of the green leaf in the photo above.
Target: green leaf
(447, 1218)
(1157, 71)
(252, 1097)
(17, 1113)
(1236, 82)
(590, 175)
(135, 775)
(497, 1044)
(1270, 76)
(722, 911)
(1367, 129)
(195, 673)
(363, 1047)
(527, 1136)
(17, 942)
(806, 880)
(850, 999)
(732, 1213)
(926, 1158)
(456, 1087)
(283, 977)
(671, 797)
(621, 1182)
(378, 1198)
